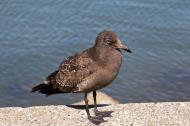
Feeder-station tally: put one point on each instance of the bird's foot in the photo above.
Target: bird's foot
(96, 112)
(96, 120)
(102, 113)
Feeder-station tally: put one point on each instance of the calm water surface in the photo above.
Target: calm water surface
(35, 36)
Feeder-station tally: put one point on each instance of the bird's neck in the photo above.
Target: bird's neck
(107, 56)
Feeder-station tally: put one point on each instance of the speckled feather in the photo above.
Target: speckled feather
(72, 71)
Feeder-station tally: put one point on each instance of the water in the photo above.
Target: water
(35, 36)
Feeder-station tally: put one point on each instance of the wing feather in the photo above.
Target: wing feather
(73, 71)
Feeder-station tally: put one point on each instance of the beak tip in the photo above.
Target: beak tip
(129, 51)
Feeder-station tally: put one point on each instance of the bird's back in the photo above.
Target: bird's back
(73, 71)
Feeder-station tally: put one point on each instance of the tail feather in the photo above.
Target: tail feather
(38, 87)
(46, 89)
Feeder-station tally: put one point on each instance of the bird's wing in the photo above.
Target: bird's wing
(73, 71)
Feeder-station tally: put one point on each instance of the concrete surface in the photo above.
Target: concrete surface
(132, 114)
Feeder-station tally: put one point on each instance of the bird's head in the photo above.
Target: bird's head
(110, 39)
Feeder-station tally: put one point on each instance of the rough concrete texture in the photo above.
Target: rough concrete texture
(132, 114)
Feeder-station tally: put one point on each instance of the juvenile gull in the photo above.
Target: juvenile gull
(88, 71)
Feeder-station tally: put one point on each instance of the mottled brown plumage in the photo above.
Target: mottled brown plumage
(88, 71)
(73, 71)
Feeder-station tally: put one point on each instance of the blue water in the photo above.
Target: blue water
(35, 36)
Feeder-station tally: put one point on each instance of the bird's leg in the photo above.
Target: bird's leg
(96, 112)
(86, 103)
(95, 102)
(94, 120)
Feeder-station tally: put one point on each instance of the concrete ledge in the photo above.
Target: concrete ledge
(132, 114)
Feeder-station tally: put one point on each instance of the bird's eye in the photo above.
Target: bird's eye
(109, 41)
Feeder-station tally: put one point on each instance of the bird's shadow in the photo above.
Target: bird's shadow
(99, 115)
(83, 106)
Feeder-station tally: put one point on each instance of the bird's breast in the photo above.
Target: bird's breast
(106, 67)
(109, 71)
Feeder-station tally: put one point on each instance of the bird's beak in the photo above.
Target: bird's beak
(122, 46)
